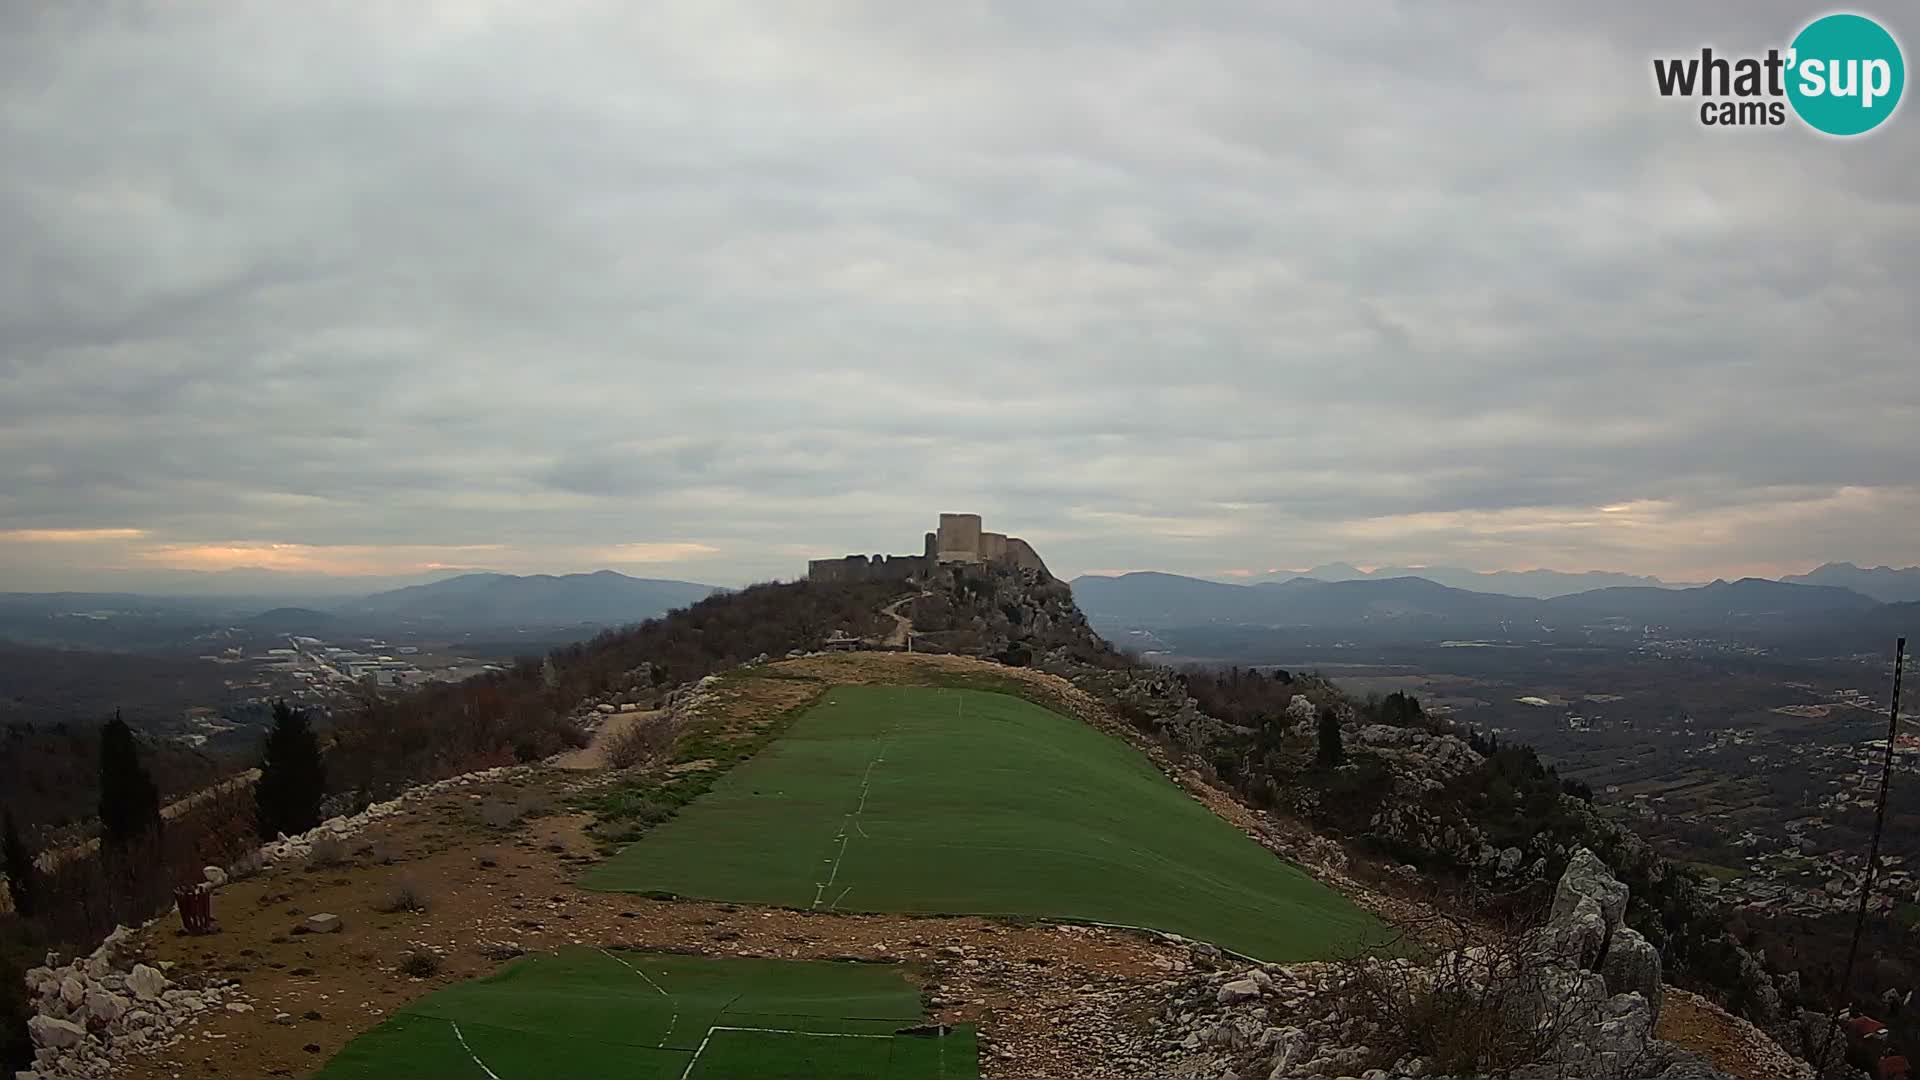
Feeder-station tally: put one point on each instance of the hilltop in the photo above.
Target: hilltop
(1413, 819)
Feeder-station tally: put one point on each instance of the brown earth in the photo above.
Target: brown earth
(1732, 1045)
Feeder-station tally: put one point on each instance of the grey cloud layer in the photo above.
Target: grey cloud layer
(1187, 286)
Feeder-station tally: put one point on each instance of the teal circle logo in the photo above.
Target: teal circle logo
(1845, 74)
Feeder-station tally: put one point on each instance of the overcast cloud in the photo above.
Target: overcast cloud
(700, 290)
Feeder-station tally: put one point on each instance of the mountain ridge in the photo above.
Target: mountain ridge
(1167, 600)
(480, 599)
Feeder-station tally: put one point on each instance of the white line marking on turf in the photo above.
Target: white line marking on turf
(671, 1022)
(866, 787)
(688, 1071)
(836, 900)
(476, 1057)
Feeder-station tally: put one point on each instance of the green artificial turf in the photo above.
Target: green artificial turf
(908, 799)
(624, 1015)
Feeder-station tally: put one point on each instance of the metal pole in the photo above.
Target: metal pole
(1873, 851)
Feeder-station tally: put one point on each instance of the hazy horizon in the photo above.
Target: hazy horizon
(248, 581)
(701, 292)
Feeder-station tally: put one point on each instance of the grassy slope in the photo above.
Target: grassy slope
(979, 803)
(584, 1013)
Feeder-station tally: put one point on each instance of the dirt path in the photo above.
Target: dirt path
(594, 754)
(902, 624)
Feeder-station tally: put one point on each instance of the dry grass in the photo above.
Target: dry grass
(405, 896)
(328, 851)
(640, 743)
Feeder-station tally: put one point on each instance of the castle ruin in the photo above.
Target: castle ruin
(959, 539)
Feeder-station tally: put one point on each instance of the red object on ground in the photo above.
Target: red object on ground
(1892, 1067)
(1865, 1027)
(196, 908)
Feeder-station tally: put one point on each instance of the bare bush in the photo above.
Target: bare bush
(640, 743)
(327, 851)
(405, 895)
(1497, 1001)
(420, 963)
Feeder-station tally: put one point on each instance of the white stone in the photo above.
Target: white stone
(146, 983)
(73, 991)
(55, 1034)
(323, 923)
(1237, 991)
(104, 1006)
(215, 876)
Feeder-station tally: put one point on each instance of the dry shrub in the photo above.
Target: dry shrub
(420, 963)
(328, 851)
(1488, 1006)
(406, 895)
(640, 743)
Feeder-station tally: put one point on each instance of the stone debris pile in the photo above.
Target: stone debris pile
(92, 1013)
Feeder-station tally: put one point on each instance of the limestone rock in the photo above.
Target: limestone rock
(55, 1034)
(1632, 965)
(105, 1007)
(1238, 990)
(215, 876)
(323, 923)
(146, 983)
(1587, 876)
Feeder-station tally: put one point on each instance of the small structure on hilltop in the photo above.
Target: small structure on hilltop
(958, 540)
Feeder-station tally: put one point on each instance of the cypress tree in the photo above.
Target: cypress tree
(20, 870)
(1332, 752)
(293, 778)
(129, 800)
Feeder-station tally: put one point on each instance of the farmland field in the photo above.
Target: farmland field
(950, 801)
(649, 1016)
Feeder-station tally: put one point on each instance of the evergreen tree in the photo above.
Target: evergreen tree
(1332, 752)
(293, 778)
(129, 801)
(20, 870)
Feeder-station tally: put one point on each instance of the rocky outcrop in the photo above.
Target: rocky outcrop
(92, 1013)
(1582, 993)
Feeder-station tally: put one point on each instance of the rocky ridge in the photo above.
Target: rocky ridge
(1583, 990)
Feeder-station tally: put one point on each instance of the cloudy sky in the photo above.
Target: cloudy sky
(700, 290)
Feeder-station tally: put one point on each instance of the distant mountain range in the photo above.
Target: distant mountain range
(1418, 607)
(1883, 583)
(465, 604)
(499, 600)
(1538, 584)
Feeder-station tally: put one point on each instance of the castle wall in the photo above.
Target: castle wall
(1021, 554)
(861, 568)
(993, 546)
